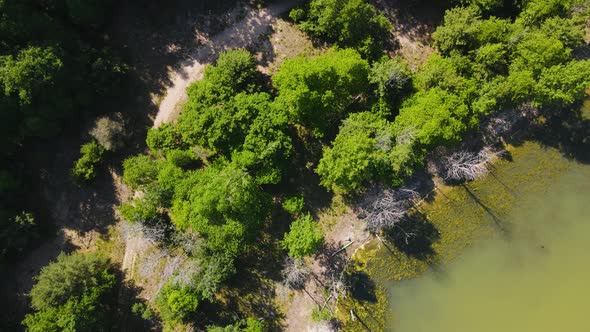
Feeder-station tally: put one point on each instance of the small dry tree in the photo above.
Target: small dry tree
(295, 273)
(468, 166)
(110, 132)
(384, 208)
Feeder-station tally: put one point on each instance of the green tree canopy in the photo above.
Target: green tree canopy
(438, 117)
(317, 91)
(223, 127)
(234, 72)
(176, 304)
(348, 23)
(304, 238)
(223, 204)
(140, 170)
(73, 294)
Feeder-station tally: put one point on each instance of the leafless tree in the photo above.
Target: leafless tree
(295, 273)
(384, 207)
(466, 165)
(109, 132)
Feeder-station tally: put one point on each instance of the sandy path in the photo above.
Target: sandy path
(239, 35)
(298, 314)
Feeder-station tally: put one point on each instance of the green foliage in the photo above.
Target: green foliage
(537, 51)
(234, 72)
(304, 238)
(536, 11)
(29, 73)
(140, 170)
(176, 304)
(148, 207)
(181, 158)
(223, 204)
(217, 268)
(317, 91)
(248, 325)
(347, 23)
(320, 315)
(294, 204)
(459, 31)
(567, 30)
(484, 5)
(223, 127)
(73, 294)
(253, 325)
(452, 74)
(17, 233)
(142, 310)
(84, 169)
(165, 137)
(267, 147)
(464, 30)
(391, 79)
(563, 85)
(358, 154)
(439, 118)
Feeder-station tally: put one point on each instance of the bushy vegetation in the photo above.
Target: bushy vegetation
(304, 237)
(347, 23)
(85, 167)
(318, 92)
(55, 69)
(75, 293)
(352, 115)
(176, 304)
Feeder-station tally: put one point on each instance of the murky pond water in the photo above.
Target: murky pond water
(509, 252)
(534, 278)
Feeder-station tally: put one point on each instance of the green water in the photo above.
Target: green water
(533, 276)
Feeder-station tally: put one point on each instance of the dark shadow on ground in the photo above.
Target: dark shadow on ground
(251, 291)
(416, 19)
(414, 236)
(362, 288)
(569, 132)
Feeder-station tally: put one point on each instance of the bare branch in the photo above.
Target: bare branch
(295, 273)
(383, 208)
(468, 166)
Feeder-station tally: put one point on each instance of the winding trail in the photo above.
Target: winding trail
(242, 34)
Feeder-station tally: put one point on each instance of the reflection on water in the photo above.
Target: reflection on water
(535, 279)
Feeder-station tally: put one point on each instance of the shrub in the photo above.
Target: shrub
(294, 204)
(176, 304)
(347, 23)
(84, 169)
(165, 137)
(74, 293)
(140, 170)
(304, 237)
(320, 315)
(17, 233)
(109, 133)
(317, 91)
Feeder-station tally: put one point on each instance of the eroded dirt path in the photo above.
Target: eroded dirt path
(242, 34)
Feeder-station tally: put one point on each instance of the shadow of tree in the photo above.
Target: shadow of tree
(414, 236)
(362, 287)
(414, 19)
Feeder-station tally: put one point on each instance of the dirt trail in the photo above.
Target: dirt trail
(242, 34)
(298, 314)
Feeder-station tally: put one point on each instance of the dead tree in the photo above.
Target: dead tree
(295, 273)
(468, 166)
(384, 208)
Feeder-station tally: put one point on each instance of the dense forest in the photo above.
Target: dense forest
(235, 175)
